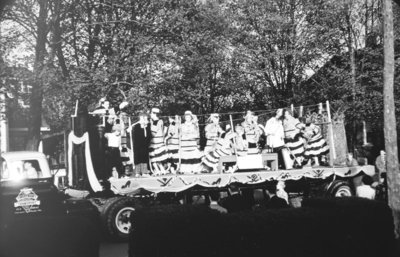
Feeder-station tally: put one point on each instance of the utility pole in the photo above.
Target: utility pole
(390, 132)
(4, 141)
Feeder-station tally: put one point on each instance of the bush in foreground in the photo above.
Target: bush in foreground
(49, 237)
(331, 227)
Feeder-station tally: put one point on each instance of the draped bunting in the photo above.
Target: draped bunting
(178, 183)
(93, 181)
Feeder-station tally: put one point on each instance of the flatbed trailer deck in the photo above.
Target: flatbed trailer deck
(179, 183)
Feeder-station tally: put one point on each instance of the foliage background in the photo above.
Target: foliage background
(206, 56)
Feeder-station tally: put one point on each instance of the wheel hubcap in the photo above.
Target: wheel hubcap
(122, 219)
(343, 192)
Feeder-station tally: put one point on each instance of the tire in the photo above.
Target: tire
(340, 189)
(116, 218)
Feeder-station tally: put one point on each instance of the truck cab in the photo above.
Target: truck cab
(17, 166)
(27, 188)
(26, 184)
(36, 215)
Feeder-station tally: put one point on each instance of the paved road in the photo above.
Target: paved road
(110, 249)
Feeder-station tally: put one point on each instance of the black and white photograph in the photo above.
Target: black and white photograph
(199, 128)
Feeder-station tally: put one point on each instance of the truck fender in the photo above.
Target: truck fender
(339, 188)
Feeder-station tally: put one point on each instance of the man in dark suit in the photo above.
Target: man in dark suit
(141, 135)
(274, 201)
(235, 202)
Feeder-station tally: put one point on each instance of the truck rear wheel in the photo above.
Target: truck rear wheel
(340, 188)
(117, 218)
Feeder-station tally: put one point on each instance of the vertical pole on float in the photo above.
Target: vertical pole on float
(131, 142)
(64, 180)
(234, 139)
(332, 150)
(233, 130)
(301, 111)
(365, 139)
(179, 131)
(292, 109)
(75, 115)
(69, 166)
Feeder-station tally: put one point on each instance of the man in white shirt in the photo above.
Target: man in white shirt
(113, 151)
(275, 134)
(365, 190)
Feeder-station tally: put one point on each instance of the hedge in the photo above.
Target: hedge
(339, 227)
(50, 236)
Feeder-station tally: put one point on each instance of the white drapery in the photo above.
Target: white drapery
(93, 181)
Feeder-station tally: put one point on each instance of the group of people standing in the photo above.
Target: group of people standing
(160, 148)
(176, 147)
(297, 142)
(371, 187)
(163, 149)
(274, 197)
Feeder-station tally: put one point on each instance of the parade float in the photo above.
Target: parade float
(118, 196)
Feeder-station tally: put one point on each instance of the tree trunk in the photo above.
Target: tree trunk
(350, 46)
(36, 98)
(57, 39)
(354, 85)
(393, 175)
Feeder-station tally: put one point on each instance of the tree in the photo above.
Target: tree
(3, 4)
(279, 42)
(393, 174)
(36, 99)
(32, 17)
(204, 55)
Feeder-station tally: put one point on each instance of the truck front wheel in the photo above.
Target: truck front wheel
(117, 216)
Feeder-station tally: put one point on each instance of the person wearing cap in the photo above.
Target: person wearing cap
(190, 154)
(213, 131)
(157, 150)
(252, 132)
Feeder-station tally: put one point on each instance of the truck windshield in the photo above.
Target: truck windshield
(21, 169)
